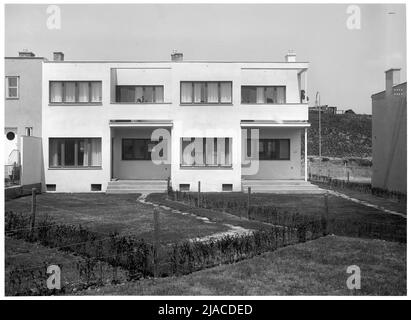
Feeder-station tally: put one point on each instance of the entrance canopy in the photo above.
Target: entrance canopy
(141, 123)
(272, 123)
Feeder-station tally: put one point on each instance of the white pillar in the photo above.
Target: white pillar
(305, 155)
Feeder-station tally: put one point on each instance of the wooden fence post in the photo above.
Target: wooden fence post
(199, 194)
(248, 203)
(156, 241)
(326, 215)
(33, 211)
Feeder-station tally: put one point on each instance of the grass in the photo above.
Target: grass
(313, 268)
(106, 213)
(311, 205)
(32, 259)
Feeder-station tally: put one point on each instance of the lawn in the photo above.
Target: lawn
(106, 213)
(313, 268)
(30, 261)
(312, 205)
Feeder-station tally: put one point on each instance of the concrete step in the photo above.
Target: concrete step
(125, 191)
(137, 186)
(275, 182)
(281, 186)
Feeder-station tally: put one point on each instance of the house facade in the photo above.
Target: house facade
(389, 134)
(103, 122)
(23, 120)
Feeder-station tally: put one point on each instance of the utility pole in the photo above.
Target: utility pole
(318, 103)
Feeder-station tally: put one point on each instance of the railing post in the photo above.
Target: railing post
(33, 211)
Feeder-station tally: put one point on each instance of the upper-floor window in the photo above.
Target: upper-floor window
(12, 87)
(75, 92)
(212, 92)
(263, 94)
(140, 94)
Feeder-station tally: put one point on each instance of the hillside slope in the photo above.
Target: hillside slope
(342, 135)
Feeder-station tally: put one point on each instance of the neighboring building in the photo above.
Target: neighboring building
(325, 109)
(99, 116)
(389, 134)
(23, 109)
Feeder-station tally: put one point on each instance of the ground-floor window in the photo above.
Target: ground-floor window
(206, 152)
(272, 149)
(137, 149)
(75, 152)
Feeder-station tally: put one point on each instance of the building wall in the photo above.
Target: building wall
(389, 140)
(135, 169)
(281, 169)
(31, 160)
(26, 110)
(188, 121)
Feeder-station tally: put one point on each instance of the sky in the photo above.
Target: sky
(346, 66)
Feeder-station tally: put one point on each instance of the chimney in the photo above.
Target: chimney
(26, 54)
(176, 56)
(290, 56)
(392, 78)
(58, 56)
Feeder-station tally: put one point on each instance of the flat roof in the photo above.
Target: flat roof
(169, 61)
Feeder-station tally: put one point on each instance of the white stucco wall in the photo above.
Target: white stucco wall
(281, 169)
(31, 160)
(188, 121)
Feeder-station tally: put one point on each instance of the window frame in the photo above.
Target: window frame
(215, 154)
(277, 142)
(75, 166)
(147, 156)
(8, 87)
(117, 87)
(206, 93)
(76, 94)
(265, 96)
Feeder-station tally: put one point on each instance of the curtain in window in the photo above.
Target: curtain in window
(159, 97)
(212, 92)
(260, 95)
(269, 95)
(210, 151)
(228, 151)
(225, 90)
(69, 92)
(96, 92)
(186, 92)
(56, 91)
(148, 94)
(280, 94)
(83, 91)
(198, 92)
(139, 95)
(95, 152)
(54, 153)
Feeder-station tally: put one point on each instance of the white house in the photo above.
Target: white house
(99, 118)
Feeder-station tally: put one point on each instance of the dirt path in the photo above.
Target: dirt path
(232, 229)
